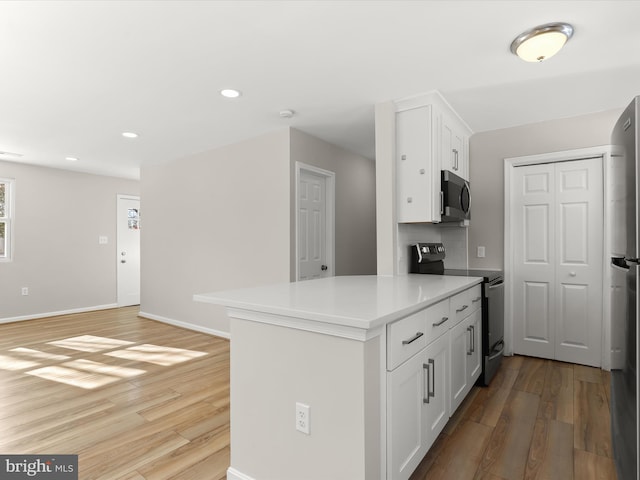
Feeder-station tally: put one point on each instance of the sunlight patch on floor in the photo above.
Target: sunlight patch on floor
(71, 376)
(12, 363)
(90, 343)
(156, 354)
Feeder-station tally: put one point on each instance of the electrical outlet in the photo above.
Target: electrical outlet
(102, 240)
(25, 290)
(481, 252)
(302, 418)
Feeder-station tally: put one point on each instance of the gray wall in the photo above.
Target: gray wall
(217, 220)
(488, 151)
(223, 219)
(59, 216)
(355, 202)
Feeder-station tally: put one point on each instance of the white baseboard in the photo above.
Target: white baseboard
(61, 312)
(188, 326)
(233, 474)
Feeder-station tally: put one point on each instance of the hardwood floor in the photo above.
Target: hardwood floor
(539, 419)
(137, 399)
(134, 398)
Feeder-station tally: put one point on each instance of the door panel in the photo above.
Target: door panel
(579, 270)
(128, 258)
(534, 259)
(312, 228)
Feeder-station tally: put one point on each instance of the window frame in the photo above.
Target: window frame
(9, 218)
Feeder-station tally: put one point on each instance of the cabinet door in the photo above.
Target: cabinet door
(474, 361)
(418, 188)
(460, 349)
(436, 404)
(406, 390)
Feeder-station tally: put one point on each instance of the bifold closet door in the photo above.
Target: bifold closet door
(557, 217)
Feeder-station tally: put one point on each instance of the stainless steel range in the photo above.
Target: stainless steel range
(428, 258)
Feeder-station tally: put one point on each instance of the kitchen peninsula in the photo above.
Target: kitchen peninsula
(344, 347)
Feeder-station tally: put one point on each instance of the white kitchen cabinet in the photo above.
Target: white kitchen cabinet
(417, 407)
(465, 350)
(430, 137)
(417, 172)
(454, 151)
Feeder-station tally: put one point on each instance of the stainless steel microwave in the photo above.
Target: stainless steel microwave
(455, 198)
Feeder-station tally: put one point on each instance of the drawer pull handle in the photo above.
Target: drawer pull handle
(464, 307)
(444, 319)
(476, 299)
(412, 339)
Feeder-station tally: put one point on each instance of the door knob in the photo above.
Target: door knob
(324, 267)
(573, 274)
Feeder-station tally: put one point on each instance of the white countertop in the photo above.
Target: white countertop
(357, 302)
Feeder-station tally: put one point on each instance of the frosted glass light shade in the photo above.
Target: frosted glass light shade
(542, 42)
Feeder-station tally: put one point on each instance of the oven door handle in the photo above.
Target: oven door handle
(496, 285)
(497, 354)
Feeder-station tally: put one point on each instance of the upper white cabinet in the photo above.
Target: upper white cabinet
(430, 137)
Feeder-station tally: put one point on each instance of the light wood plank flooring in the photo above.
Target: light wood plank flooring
(137, 399)
(539, 419)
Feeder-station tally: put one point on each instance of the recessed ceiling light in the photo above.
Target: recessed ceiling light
(129, 134)
(71, 159)
(230, 93)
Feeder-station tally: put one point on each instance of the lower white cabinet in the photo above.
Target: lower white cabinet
(417, 407)
(427, 382)
(465, 348)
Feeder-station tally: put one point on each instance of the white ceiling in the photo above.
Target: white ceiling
(74, 75)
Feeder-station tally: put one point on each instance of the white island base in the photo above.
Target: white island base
(329, 344)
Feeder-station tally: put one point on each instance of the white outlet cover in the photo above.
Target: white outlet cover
(102, 240)
(302, 418)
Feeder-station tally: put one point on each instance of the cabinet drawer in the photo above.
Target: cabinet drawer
(408, 336)
(465, 303)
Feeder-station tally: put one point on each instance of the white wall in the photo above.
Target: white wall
(214, 221)
(488, 151)
(59, 216)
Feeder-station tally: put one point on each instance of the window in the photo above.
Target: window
(6, 213)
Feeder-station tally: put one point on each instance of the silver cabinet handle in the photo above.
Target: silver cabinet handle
(425, 398)
(412, 339)
(473, 338)
(444, 319)
(464, 307)
(432, 393)
(470, 351)
(476, 300)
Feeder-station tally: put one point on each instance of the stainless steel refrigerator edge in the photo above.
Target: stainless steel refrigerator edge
(624, 349)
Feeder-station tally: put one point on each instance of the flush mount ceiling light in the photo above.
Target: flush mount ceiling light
(129, 134)
(541, 42)
(230, 93)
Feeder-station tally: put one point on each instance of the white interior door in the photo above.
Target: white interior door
(558, 220)
(128, 253)
(314, 224)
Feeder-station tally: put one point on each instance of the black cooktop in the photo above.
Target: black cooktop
(488, 275)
